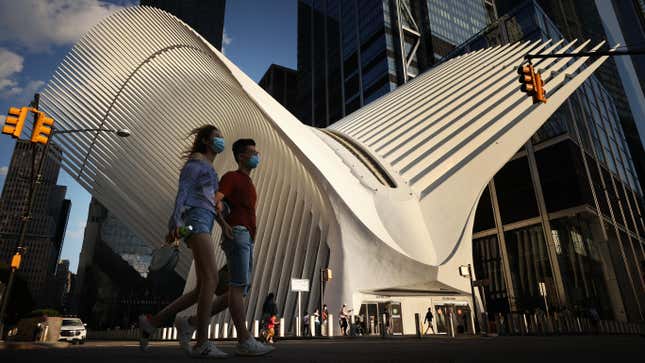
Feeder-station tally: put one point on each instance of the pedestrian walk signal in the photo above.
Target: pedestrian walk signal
(42, 129)
(15, 121)
(532, 83)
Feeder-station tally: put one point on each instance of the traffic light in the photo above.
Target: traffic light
(15, 261)
(532, 83)
(15, 121)
(42, 129)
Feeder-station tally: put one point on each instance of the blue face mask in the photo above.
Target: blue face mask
(218, 144)
(253, 161)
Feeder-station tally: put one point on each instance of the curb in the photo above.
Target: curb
(32, 345)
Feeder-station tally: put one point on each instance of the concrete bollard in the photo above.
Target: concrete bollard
(330, 325)
(416, 324)
(234, 332)
(246, 324)
(210, 331)
(216, 333)
(281, 327)
(225, 331)
(312, 325)
(194, 335)
(174, 333)
(256, 328)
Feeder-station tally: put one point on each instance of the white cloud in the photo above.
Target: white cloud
(40, 24)
(77, 232)
(226, 40)
(4, 170)
(10, 66)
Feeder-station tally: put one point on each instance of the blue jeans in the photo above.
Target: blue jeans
(200, 219)
(239, 257)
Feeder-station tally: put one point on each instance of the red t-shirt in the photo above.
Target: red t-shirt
(239, 193)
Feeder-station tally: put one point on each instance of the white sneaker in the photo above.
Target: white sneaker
(184, 332)
(145, 332)
(252, 347)
(207, 350)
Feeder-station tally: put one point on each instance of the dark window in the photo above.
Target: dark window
(484, 218)
(515, 192)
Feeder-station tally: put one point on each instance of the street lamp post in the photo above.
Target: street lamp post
(25, 219)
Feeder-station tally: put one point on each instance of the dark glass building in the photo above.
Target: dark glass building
(50, 212)
(281, 83)
(113, 286)
(567, 209)
(352, 52)
(205, 16)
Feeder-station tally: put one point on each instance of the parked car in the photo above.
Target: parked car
(72, 330)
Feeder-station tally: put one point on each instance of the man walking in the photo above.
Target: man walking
(239, 227)
(428, 319)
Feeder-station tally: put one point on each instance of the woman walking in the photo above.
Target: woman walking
(195, 207)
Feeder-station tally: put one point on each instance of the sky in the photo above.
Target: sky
(35, 36)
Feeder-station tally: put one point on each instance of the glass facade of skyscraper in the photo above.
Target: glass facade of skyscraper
(567, 209)
(455, 21)
(352, 52)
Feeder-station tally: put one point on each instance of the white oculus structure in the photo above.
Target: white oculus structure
(385, 197)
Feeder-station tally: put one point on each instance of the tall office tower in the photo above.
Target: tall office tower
(281, 83)
(452, 22)
(205, 16)
(50, 211)
(352, 52)
(565, 210)
(59, 287)
(112, 286)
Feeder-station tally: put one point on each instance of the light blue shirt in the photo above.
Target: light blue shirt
(198, 183)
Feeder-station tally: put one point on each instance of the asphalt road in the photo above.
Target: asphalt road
(606, 349)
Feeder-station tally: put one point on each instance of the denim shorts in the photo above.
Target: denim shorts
(200, 219)
(239, 257)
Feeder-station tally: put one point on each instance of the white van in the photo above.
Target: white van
(72, 330)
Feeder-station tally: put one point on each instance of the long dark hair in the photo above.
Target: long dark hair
(201, 133)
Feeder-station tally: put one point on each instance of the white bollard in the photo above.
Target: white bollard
(174, 333)
(256, 328)
(225, 332)
(281, 327)
(216, 334)
(164, 334)
(210, 331)
(312, 325)
(194, 335)
(330, 325)
(234, 332)
(246, 324)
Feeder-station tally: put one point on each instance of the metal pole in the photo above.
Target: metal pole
(322, 292)
(472, 292)
(586, 54)
(25, 219)
(298, 327)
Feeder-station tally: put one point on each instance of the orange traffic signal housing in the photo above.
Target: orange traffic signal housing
(15, 261)
(532, 83)
(42, 129)
(15, 121)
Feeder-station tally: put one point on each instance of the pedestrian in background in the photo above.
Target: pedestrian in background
(428, 319)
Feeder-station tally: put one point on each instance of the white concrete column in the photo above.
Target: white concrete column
(312, 325)
(234, 331)
(330, 325)
(281, 327)
(216, 333)
(174, 333)
(225, 331)
(256, 328)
